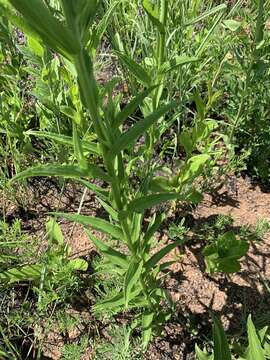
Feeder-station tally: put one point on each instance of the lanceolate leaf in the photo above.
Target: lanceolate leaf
(152, 11)
(149, 201)
(96, 223)
(255, 350)
(117, 300)
(219, 8)
(147, 319)
(132, 106)
(131, 278)
(160, 254)
(176, 62)
(136, 69)
(68, 171)
(201, 355)
(221, 346)
(153, 227)
(139, 128)
(52, 32)
(66, 140)
(115, 257)
(100, 192)
(23, 273)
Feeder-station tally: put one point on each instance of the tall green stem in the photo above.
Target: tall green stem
(89, 95)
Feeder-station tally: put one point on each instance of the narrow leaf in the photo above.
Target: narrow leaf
(255, 350)
(132, 106)
(131, 278)
(149, 201)
(176, 62)
(135, 69)
(24, 273)
(52, 32)
(221, 346)
(152, 11)
(66, 140)
(69, 171)
(147, 319)
(96, 223)
(139, 128)
(214, 10)
(160, 254)
(115, 257)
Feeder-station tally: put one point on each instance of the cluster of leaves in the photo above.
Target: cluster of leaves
(258, 344)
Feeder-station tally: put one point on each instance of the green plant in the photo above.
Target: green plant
(223, 255)
(248, 60)
(258, 344)
(120, 347)
(75, 351)
(52, 276)
(118, 151)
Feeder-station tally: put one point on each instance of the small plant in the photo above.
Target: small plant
(52, 276)
(258, 344)
(223, 255)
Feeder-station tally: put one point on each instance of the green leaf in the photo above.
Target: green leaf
(93, 148)
(148, 201)
(78, 150)
(132, 106)
(200, 106)
(71, 113)
(176, 62)
(114, 256)
(95, 223)
(255, 350)
(231, 24)
(54, 232)
(160, 254)
(102, 25)
(136, 227)
(139, 128)
(78, 264)
(147, 319)
(99, 191)
(35, 46)
(219, 8)
(186, 141)
(193, 196)
(69, 171)
(153, 227)
(137, 70)
(221, 346)
(160, 184)
(193, 168)
(23, 273)
(132, 276)
(117, 301)
(51, 31)
(203, 129)
(224, 255)
(152, 11)
(200, 354)
(113, 213)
